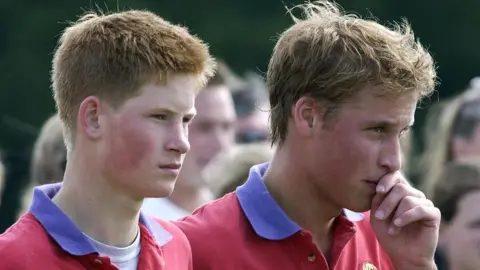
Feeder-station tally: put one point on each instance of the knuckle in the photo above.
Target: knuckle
(400, 189)
(410, 201)
(429, 203)
(420, 194)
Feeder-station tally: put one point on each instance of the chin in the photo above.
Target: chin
(158, 190)
(156, 193)
(360, 206)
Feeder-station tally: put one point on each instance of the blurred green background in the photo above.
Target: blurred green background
(242, 33)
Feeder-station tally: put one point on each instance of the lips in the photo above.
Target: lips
(170, 166)
(372, 184)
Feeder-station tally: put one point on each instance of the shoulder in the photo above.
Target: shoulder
(177, 250)
(24, 244)
(213, 230)
(218, 216)
(179, 240)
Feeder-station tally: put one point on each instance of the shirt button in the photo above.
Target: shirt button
(98, 261)
(311, 257)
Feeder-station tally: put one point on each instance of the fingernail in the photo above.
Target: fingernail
(379, 214)
(380, 189)
(397, 222)
(394, 230)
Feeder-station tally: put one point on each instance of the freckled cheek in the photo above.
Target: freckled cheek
(131, 149)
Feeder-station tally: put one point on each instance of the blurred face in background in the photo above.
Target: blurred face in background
(2, 179)
(460, 237)
(465, 134)
(253, 127)
(467, 147)
(211, 131)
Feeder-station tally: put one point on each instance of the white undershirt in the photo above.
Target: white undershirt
(125, 258)
(163, 208)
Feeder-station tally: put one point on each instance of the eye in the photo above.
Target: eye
(187, 120)
(378, 129)
(160, 116)
(404, 131)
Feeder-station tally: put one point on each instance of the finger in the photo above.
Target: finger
(421, 213)
(392, 198)
(427, 215)
(408, 203)
(391, 201)
(386, 183)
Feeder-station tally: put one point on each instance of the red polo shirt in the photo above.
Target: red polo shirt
(248, 230)
(45, 238)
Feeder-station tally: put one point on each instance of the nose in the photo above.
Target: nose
(178, 139)
(391, 155)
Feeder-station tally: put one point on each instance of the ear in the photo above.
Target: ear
(88, 118)
(305, 115)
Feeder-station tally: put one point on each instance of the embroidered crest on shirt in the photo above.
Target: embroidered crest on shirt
(368, 266)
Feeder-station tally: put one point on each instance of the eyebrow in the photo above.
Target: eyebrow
(474, 223)
(190, 113)
(389, 123)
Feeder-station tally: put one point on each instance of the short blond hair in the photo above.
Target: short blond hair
(330, 56)
(112, 55)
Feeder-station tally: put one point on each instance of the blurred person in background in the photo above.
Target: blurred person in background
(2, 179)
(342, 90)
(406, 144)
(49, 155)
(251, 105)
(48, 160)
(125, 115)
(457, 195)
(212, 131)
(452, 133)
(230, 169)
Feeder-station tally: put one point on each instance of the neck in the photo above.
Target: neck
(294, 191)
(96, 208)
(190, 197)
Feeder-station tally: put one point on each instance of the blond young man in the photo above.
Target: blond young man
(343, 91)
(124, 85)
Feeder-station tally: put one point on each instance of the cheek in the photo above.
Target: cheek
(476, 146)
(200, 140)
(351, 151)
(466, 242)
(129, 147)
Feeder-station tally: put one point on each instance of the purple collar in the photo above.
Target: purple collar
(62, 229)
